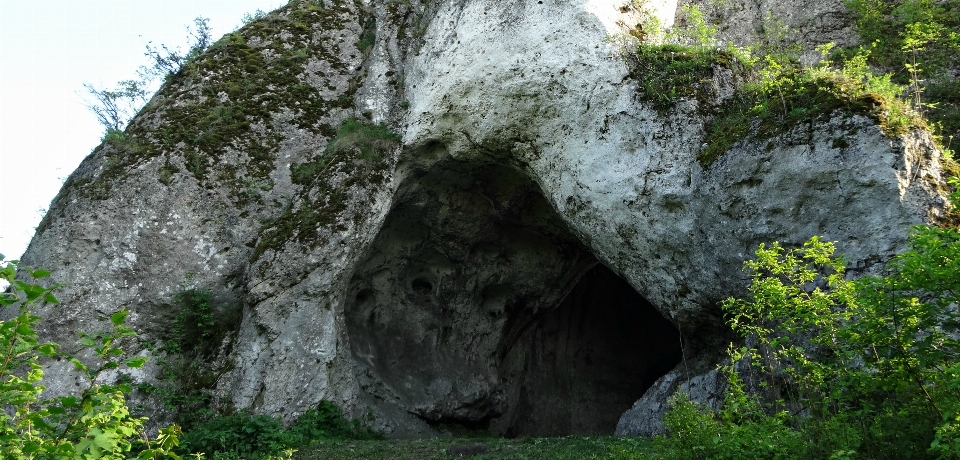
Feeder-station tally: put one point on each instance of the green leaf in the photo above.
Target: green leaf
(119, 317)
(105, 440)
(7, 298)
(77, 364)
(47, 349)
(136, 362)
(40, 274)
(33, 290)
(87, 342)
(26, 330)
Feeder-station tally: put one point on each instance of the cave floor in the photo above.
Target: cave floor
(569, 447)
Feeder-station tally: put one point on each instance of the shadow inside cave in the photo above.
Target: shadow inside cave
(476, 306)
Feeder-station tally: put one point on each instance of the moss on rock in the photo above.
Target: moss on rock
(358, 153)
(217, 113)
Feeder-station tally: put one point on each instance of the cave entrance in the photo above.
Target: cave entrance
(476, 306)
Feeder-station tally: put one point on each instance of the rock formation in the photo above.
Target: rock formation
(537, 247)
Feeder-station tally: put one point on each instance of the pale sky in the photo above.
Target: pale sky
(48, 49)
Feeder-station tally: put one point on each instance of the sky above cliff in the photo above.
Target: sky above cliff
(48, 49)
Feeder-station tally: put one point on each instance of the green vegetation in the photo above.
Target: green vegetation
(98, 424)
(115, 108)
(255, 16)
(900, 25)
(223, 126)
(189, 358)
(788, 95)
(918, 43)
(837, 368)
(95, 423)
(357, 147)
(369, 37)
(565, 448)
(674, 64)
(830, 368)
(670, 72)
(248, 436)
(169, 62)
(778, 93)
(369, 142)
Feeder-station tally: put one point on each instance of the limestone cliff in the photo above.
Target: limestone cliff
(537, 246)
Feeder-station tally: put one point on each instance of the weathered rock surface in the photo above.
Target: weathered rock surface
(536, 252)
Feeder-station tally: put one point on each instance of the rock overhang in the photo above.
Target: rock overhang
(475, 306)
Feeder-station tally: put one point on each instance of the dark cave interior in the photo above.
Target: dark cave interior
(476, 306)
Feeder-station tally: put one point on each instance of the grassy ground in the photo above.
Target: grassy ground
(572, 447)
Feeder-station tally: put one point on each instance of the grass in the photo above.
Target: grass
(354, 136)
(777, 95)
(323, 433)
(668, 73)
(801, 96)
(570, 447)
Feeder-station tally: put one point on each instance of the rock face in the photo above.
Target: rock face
(538, 248)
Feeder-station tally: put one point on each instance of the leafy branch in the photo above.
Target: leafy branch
(98, 424)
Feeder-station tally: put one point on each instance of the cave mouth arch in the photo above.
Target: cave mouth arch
(476, 306)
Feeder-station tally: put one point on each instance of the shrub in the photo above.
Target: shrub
(369, 140)
(887, 23)
(115, 108)
(838, 368)
(917, 42)
(327, 422)
(189, 366)
(166, 61)
(255, 16)
(785, 95)
(94, 424)
(779, 93)
(243, 435)
(668, 73)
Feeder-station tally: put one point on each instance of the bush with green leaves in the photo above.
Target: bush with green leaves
(188, 361)
(918, 43)
(777, 91)
(837, 368)
(785, 94)
(243, 435)
(166, 61)
(95, 423)
(907, 29)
